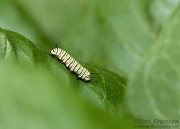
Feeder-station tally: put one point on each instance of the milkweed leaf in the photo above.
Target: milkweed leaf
(153, 89)
(108, 92)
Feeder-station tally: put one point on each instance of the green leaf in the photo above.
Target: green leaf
(34, 99)
(160, 11)
(154, 85)
(14, 18)
(107, 93)
(106, 90)
(16, 48)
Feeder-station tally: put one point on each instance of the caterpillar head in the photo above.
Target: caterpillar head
(53, 52)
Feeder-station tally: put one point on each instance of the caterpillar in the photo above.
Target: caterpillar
(70, 63)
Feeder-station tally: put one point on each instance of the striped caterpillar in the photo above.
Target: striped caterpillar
(70, 63)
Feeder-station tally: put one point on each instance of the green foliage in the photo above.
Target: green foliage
(156, 77)
(32, 98)
(136, 39)
(105, 91)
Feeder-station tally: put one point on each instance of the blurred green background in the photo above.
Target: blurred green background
(136, 39)
(114, 34)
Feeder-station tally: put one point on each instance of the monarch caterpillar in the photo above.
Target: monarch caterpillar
(70, 63)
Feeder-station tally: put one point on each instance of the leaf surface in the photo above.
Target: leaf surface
(108, 91)
(153, 89)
